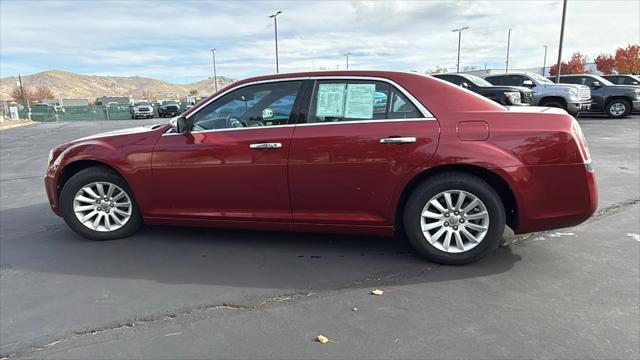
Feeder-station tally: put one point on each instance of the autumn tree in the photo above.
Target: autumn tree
(42, 93)
(627, 61)
(18, 96)
(605, 63)
(574, 66)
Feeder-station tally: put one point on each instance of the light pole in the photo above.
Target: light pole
(347, 56)
(559, 65)
(275, 23)
(544, 62)
(506, 69)
(459, 31)
(215, 76)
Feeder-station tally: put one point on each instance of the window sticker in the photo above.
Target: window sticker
(359, 104)
(330, 100)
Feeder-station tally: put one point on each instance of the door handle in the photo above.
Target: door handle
(265, 146)
(397, 140)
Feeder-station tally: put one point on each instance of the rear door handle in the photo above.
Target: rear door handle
(397, 140)
(265, 146)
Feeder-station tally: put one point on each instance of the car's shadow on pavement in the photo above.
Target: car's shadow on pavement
(225, 257)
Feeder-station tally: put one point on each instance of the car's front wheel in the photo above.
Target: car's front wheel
(618, 108)
(98, 204)
(454, 218)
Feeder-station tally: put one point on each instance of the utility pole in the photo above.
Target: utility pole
(459, 31)
(506, 69)
(347, 56)
(544, 62)
(275, 23)
(559, 64)
(24, 99)
(215, 75)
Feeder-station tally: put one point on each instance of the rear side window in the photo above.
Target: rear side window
(358, 100)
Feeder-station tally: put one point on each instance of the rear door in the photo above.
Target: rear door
(361, 139)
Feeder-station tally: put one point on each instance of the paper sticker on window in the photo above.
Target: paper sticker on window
(359, 104)
(330, 100)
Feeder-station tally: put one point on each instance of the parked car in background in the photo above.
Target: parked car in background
(505, 95)
(168, 108)
(141, 109)
(441, 164)
(572, 98)
(193, 100)
(617, 101)
(623, 79)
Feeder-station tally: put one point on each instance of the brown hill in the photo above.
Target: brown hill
(71, 85)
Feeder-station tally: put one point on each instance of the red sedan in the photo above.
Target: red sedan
(362, 152)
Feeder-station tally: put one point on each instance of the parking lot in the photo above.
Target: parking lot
(171, 292)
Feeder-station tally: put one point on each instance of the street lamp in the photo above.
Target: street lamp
(559, 65)
(215, 77)
(347, 56)
(275, 23)
(459, 31)
(544, 62)
(506, 69)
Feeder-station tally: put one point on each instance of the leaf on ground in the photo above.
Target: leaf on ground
(323, 339)
(377, 292)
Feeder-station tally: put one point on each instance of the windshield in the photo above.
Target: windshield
(540, 78)
(141, 103)
(477, 80)
(169, 102)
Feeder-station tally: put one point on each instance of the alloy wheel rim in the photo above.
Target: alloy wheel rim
(102, 206)
(454, 221)
(618, 109)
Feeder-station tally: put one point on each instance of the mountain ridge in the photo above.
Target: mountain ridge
(65, 84)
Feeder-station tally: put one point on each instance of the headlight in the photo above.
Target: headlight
(514, 97)
(637, 92)
(572, 92)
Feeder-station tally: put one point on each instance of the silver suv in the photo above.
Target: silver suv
(141, 109)
(572, 98)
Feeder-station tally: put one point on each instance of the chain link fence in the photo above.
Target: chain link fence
(81, 113)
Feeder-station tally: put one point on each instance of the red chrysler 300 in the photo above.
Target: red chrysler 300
(363, 152)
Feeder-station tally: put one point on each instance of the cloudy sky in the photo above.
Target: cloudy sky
(170, 40)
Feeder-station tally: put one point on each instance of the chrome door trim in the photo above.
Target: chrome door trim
(273, 145)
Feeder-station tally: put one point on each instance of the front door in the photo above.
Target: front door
(361, 139)
(233, 164)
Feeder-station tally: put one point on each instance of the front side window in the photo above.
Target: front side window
(355, 100)
(251, 106)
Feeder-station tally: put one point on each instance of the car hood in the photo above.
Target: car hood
(507, 88)
(122, 132)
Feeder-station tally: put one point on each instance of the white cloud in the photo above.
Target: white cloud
(171, 40)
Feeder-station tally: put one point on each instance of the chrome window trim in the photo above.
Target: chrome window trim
(427, 115)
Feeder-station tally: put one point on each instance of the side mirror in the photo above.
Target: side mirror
(528, 83)
(596, 84)
(180, 125)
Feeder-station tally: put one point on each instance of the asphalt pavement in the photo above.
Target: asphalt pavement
(171, 292)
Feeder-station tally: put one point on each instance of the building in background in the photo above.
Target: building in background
(589, 67)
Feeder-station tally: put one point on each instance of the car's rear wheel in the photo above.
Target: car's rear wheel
(618, 108)
(98, 204)
(454, 218)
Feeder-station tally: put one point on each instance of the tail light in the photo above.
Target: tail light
(576, 131)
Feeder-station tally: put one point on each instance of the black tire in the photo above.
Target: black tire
(133, 117)
(87, 176)
(454, 181)
(622, 102)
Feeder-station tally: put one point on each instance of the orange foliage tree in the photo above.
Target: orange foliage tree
(627, 61)
(574, 66)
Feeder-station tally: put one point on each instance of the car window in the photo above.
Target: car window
(496, 80)
(251, 106)
(456, 80)
(515, 80)
(354, 100)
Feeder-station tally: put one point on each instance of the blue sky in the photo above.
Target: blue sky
(170, 40)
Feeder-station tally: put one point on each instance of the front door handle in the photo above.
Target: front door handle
(265, 146)
(398, 140)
